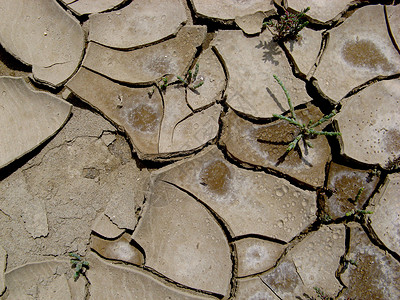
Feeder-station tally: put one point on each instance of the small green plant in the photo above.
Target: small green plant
(78, 264)
(289, 25)
(306, 131)
(190, 79)
(164, 84)
(358, 212)
(355, 200)
(326, 218)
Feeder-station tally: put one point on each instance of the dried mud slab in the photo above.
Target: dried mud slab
(132, 108)
(148, 64)
(358, 50)
(119, 249)
(251, 24)
(256, 255)
(213, 76)
(42, 35)
(373, 273)
(138, 24)
(311, 263)
(253, 289)
(305, 50)
(186, 244)
(28, 118)
(82, 7)
(322, 11)
(196, 130)
(344, 183)
(250, 63)
(227, 10)
(43, 280)
(317, 258)
(369, 122)
(248, 202)
(108, 280)
(264, 145)
(385, 220)
(156, 126)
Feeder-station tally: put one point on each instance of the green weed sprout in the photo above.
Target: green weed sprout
(289, 25)
(357, 196)
(306, 131)
(326, 218)
(190, 79)
(78, 264)
(358, 212)
(164, 85)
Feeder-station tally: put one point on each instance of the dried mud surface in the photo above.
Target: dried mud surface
(140, 137)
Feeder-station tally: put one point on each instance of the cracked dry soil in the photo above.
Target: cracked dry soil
(175, 192)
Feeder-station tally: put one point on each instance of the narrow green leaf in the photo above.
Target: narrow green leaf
(196, 71)
(182, 80)
(359, 194)
(365, 212)
(312, 131)
(324, 119)
(350, 213)
(309, 144)
(198, 85)
(287, 96)
(290, 120)
(294, 143)
(75, 255)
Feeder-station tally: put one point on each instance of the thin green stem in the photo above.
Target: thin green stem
(294, 143)
(312, 131)
(182, 80)
(198, 85)
(359, 194)
(290, 120)
(287, 96)
(324, 119)
(196, 71)
(309, 144)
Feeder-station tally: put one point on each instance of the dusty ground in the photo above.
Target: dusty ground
(172, 190)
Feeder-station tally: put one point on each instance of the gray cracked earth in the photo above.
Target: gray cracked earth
(175, 192)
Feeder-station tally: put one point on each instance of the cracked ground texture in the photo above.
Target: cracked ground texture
(175, 188)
